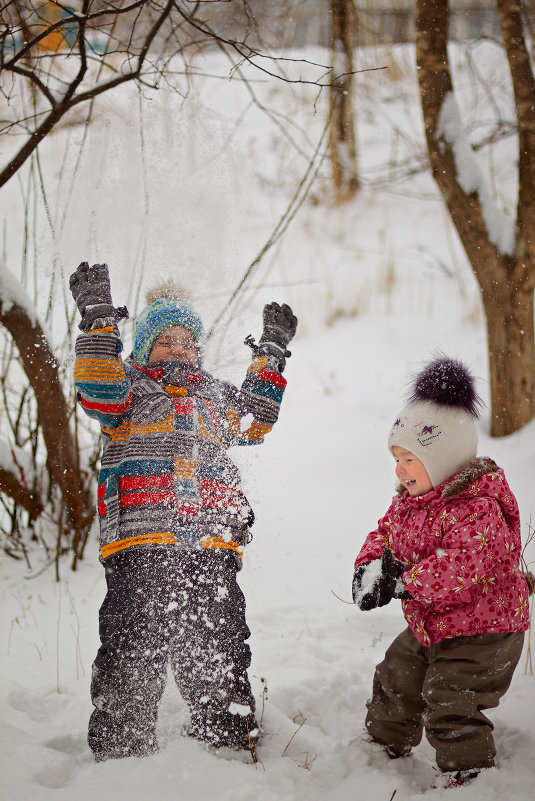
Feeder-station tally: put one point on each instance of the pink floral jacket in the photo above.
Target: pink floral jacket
(461, 545)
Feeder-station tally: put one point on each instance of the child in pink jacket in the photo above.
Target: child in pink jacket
(449, 547)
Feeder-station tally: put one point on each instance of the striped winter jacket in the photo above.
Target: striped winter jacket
(165, 474)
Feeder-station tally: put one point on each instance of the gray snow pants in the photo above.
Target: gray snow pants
(172, 607)
(443, 688)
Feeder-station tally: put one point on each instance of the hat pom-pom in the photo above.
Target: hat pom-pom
(447, 382)
(167, 290)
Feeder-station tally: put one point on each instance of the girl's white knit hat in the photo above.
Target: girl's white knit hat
(438, 424)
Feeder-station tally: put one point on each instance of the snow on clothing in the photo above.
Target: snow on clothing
(461, 545)
(182, 608)
(165, 475)
(172, 520)
(156, 318)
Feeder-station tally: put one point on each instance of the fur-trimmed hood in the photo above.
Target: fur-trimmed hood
(478, 467)
(461, 546)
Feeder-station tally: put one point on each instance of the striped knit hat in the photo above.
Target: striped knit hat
(155, 318)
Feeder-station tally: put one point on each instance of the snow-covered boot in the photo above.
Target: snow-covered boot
(226, 731)
(458, 778)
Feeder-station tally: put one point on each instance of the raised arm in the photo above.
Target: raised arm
(262, 391)
(103, 387)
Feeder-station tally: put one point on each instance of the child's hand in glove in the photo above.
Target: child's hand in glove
(90, 288)
(375, 583)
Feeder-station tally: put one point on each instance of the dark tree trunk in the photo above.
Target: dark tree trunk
(506, 281)
(342, 144)
(41, 368)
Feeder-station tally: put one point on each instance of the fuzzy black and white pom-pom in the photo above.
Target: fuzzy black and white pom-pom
(447, 382)
(167, 290)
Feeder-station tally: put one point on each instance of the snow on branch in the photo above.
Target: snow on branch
(13, 294)
(500, 226)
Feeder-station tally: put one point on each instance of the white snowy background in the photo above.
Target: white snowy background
(191, 189)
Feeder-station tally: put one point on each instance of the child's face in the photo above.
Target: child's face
(175, 344)
(411, 472)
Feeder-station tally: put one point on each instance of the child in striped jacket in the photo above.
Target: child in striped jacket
(173, 517)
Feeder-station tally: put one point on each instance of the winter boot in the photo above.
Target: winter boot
(240, 733)
(396, 753)
(373, 746)
(449, 779)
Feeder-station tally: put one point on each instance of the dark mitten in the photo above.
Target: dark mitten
(372, 587)
(394, 568)
(90, 288)
(401, 592)
(280, 324)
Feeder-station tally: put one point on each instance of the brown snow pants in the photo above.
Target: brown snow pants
(443, 688)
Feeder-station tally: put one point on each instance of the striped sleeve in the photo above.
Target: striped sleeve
(103, 387)
(260, 395)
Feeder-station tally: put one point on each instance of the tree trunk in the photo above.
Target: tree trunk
(510, 15)
(510, 336)
(342, 144)
(41, 368)
(506, 280)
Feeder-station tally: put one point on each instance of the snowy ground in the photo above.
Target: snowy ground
(391, 279)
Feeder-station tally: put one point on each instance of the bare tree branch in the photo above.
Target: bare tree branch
(75, 19)
(41, 368)
(293, 207)
(11, 485)
(70, 99)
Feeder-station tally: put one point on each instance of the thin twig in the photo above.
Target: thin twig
(291, 210)
(293, 735)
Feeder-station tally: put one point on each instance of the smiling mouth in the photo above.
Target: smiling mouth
(410, 482)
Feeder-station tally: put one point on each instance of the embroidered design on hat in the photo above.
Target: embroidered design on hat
(426, 433)
(400, 423)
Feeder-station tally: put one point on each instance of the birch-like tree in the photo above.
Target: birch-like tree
(501, 251)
